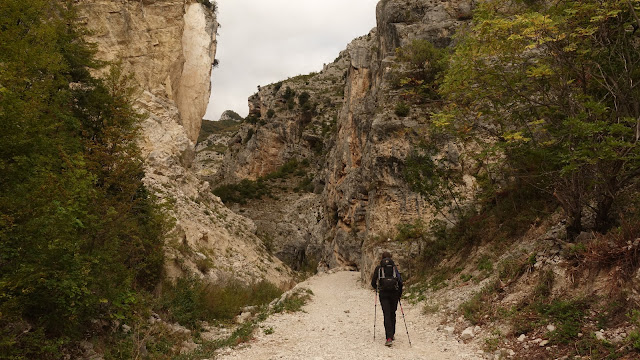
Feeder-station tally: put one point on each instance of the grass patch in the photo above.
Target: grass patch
(294, 301)
(479, 305)
(190, 300)
(568, 316)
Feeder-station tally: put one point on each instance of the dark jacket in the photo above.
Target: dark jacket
(387, 273)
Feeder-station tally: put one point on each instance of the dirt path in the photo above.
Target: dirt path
(338, 324)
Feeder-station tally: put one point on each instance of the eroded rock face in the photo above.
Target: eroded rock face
(365, 183)
(361, 192)
(169, 47)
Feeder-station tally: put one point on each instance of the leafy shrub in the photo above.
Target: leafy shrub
(485, 264)
(303, 98)
(426, 65)
(556, 145)
(306, 185)
(251, 119)
(249, 189)
(408, 232)
(479, 305)
(288, 93)
(512, 268)
(402, 109)
(242, 191)
(568, 316)
(191, 300)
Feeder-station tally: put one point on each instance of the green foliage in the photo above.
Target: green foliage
(411, 232)
(251, 119)
(250, 189)
(568, 316)
(294, 301)
(479, 305)
(433, 178)
(303, 98)
(485, 264)
(191, 300)
(512, 268)
(634, 335)
(288, 93)
(425, 65)
(305, 185)
(219, 127)
(285, 170)
(242, 191)
(402, 109)
(80, 236)
(552, 87)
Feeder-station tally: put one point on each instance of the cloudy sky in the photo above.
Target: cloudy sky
(264, 41)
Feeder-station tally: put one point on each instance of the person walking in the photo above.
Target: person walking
(387, 281)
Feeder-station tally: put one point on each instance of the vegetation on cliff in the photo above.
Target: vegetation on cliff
(551, 91)
(80, 236)
(542, 99)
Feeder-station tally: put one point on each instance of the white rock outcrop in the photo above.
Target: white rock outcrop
(169, 47)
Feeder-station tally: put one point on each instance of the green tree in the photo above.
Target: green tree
(547, 94)
(79, 234)
(424, 65)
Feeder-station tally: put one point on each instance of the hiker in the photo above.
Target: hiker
(387, 281)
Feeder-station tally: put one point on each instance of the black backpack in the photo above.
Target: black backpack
(388, 282)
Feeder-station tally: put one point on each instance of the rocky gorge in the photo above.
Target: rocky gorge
(342, 122)
(491, 146)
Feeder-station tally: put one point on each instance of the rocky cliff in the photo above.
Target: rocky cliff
(169, 47)
(342, 120)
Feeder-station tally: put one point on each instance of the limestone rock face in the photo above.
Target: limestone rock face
(360, 191)
(365, 184)
(169, 47)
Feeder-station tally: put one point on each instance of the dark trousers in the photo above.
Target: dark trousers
(389, 303)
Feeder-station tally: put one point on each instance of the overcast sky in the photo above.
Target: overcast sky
(264, 41)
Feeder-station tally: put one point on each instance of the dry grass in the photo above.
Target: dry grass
(617, 251)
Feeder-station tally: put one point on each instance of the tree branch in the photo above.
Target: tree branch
(633, 11)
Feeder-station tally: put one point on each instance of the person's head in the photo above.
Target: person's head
(385, 255)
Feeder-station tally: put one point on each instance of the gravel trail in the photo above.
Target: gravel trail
(338, 325)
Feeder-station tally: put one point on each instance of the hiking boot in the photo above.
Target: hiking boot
(389, 342)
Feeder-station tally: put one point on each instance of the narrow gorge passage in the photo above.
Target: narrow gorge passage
(338, 324)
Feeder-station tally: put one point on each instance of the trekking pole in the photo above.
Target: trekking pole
(375, 313)
(405, 322)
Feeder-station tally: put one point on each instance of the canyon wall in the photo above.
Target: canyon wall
(169, 48)
(355, 142)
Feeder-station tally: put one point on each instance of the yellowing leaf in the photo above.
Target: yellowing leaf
(516, 137)
(538, 122)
